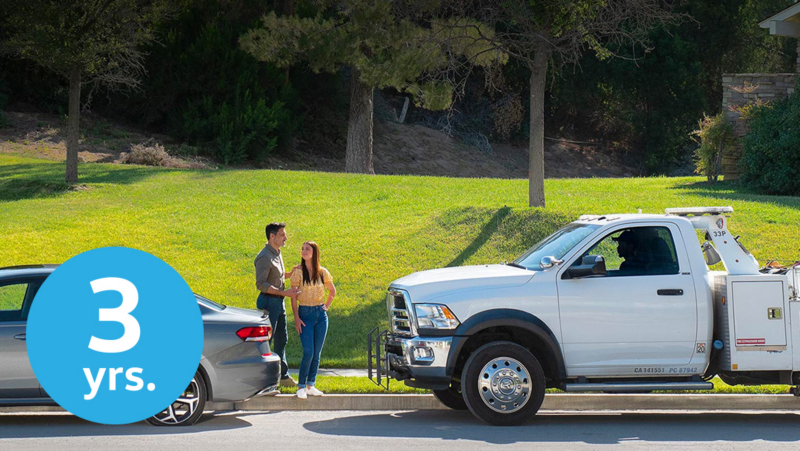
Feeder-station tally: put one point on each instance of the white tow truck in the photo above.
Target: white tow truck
(616, 303)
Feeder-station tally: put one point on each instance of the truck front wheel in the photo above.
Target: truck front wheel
(503, 384)
(451, 398)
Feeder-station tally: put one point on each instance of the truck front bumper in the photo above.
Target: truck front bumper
(418, 361)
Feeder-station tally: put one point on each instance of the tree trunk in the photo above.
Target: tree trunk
(718, 163)
(536, 144)
(73, 124)
(288, 10)
(358, 158)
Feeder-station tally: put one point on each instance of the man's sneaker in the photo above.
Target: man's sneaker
(288, 382)
(313, 391)
(272, 392)
(301, 394)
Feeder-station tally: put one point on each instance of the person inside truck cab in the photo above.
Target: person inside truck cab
(629, 247)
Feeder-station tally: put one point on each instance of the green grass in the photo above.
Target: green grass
(209, 225)
(357, 385)
(362, 385)
(722, 387)
(12, 296)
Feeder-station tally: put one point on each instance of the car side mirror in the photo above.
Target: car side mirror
(590, 265)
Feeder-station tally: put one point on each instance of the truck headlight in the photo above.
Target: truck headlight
(434, 316)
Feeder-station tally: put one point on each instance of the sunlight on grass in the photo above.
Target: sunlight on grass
(209, 225)
(12, 296)
(357, 385)
(362, 385)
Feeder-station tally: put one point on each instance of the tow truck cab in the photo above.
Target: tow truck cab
(614, 303)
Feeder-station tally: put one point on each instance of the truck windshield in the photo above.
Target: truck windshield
(556, 245)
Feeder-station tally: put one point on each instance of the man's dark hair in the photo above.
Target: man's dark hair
(273, 228)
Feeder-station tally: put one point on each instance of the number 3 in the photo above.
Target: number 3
(121, 314)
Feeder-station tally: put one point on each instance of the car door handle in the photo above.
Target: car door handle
(19, 337)
(670, 292)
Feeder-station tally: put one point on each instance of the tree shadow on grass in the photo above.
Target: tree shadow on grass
(38, 180)
(509, 233)
(737, 192)
(487, 231)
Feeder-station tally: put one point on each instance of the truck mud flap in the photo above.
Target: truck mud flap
(377, 363)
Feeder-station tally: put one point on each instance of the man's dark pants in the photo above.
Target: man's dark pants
(277, 318)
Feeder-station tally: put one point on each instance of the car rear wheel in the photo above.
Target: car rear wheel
(503, 384)
(451, 397)
(187, 409)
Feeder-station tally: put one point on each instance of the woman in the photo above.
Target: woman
(310, 316)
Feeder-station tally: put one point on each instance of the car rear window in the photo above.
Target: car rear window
(209, 303)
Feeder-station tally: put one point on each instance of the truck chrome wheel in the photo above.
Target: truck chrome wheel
(504, 385)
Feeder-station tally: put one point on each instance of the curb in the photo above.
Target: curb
(555, 401)
(552, 402)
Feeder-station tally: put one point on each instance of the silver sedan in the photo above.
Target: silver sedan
(236, 364)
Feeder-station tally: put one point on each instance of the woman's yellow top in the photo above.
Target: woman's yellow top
(312, 294)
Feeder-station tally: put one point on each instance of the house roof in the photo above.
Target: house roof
(784, 23)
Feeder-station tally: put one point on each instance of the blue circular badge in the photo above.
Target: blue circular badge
(114, 335)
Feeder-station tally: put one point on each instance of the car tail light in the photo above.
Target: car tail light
(258, 333)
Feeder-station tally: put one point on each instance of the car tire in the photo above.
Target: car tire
(187, 409)
(451, 397)
(503, 384)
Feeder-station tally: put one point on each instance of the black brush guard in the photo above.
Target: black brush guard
(377, 362)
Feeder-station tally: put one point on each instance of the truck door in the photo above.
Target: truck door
(638, 319)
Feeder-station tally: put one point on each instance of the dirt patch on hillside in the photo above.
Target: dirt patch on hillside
(398, 149)
(42, 135)
(414, 149)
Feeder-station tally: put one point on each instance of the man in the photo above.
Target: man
(628, 247)
(269, 281)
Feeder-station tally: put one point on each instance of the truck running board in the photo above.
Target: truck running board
(628, 387)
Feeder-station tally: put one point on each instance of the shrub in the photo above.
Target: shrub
(770, 162)
(234, 132)
(715, 135)
(148, 153)
(508, 116)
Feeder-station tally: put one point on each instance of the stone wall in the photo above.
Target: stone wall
(739, 90)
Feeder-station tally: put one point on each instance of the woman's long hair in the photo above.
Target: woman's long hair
(316, 271)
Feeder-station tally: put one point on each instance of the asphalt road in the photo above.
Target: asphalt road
(329, 430)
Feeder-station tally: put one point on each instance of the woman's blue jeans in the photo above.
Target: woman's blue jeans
(312, 336)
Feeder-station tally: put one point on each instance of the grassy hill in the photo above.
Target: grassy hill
(209, 225)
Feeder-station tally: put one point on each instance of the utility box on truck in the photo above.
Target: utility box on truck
(752, 322)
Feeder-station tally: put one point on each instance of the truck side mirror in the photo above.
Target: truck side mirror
(549, 261)
(590, 265)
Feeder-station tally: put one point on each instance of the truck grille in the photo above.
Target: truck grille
(399, 316)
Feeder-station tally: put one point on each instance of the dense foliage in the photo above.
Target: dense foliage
(771, 160)
(204, 90)
(201, 88)
(650, 105)
(3, 102)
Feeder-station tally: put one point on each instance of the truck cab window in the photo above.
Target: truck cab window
(638, 251)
